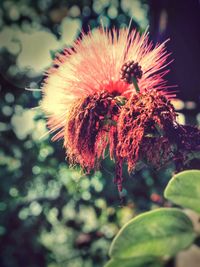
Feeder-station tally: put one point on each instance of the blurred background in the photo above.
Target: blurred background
(51, 215)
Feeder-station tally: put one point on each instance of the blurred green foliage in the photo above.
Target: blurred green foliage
(52, 215)
(153, 237)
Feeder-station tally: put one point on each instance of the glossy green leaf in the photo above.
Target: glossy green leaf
(161, 232)
(134, 262)
(184, 189)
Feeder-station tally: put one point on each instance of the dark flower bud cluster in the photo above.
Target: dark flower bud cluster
(131, 70)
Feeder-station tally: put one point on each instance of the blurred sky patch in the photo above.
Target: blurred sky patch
(33, 45)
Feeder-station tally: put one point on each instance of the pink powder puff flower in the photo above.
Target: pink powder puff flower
(88, 84)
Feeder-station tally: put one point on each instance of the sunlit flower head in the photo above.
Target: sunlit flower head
(89, 84)
(94, 65)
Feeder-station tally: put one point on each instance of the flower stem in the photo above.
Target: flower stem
(160, 131)
(134, 80)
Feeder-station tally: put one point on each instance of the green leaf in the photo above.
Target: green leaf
(161, 232)
(134, 262)
(184, 189)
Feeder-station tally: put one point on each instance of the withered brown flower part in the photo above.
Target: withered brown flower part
(187, 141)
(156, 151)
(91, 126)
(180, 145)
(187, 138)
(145, 116)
